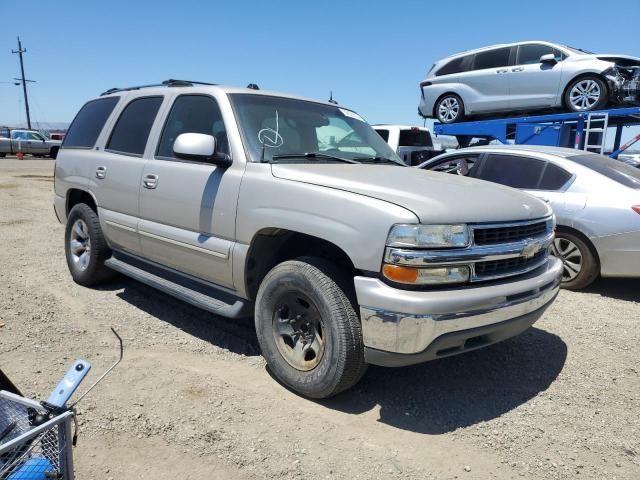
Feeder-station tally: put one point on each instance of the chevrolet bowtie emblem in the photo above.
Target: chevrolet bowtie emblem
(530, 249)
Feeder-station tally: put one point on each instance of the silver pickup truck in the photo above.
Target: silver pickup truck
(28, 142)
(244, 203)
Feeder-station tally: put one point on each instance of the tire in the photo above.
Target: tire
(580, 265)
(53, 153)
(317, 291)
(2, 155)
(580, 94)
(449, 109)
(86, 265)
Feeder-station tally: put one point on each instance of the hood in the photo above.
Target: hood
(433, 197)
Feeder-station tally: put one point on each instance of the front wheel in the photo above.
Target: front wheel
(449, 109)
(579, 265)
(308, 330)
(586, 94)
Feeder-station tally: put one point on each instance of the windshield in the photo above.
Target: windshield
(276, 127)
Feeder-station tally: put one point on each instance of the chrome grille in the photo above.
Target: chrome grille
(508, 267)
(493, 235)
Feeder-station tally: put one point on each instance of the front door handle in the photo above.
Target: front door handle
(517, 69)
(502, 70)
(101, 173)
(150, 180)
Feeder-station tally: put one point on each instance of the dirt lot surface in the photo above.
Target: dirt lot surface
(193, 399)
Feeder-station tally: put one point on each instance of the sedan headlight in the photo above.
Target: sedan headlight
(429, 236)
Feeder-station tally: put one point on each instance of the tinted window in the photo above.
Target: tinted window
(531, 53)
(415, 138)
(87, 125)
(193, 114)
(513, 171)
(457, 65)
(132, 128)
(459, 165)
(384, 134)
(553, 178)
(492, 58)
(613, 169)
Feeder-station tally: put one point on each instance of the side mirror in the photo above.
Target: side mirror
(199, 147)
(548, 59)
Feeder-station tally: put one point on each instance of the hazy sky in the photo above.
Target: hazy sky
(371, 54)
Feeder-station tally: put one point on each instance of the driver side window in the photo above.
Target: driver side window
(193, 114)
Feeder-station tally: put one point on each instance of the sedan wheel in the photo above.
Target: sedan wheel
(580, 266)
(569, 253)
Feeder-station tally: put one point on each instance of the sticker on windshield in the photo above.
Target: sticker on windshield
(350, 114)
(269, 137)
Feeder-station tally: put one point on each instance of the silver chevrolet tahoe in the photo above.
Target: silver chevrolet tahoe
(250, 203)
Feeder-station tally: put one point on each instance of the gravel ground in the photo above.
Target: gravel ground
(193, 399)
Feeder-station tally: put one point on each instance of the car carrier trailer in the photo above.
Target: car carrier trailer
(580, 130)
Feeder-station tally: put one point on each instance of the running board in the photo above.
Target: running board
(236, 308)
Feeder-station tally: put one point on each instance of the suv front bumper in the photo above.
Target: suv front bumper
(404, 327)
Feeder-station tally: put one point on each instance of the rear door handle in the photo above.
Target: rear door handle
(502, 70)
(517, 69)
(150, 181)
(101, 173)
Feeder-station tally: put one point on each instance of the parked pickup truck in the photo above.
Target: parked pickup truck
(414, 145)
(27, 141)
(244, 203)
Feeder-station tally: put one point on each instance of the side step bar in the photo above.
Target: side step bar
(237, 308)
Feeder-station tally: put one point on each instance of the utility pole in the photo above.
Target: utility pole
(24, 81)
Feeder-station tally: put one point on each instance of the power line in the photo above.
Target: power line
(23, 80)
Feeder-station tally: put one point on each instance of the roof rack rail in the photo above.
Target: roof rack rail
(167, 83)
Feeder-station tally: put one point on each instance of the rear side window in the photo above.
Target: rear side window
(415, 138)
(553, 178)
(530, 53)
(384, 134)
(492, 58)
(86, 127)
(132, 129)
(512, 171)
(613, 169)
(457, 65)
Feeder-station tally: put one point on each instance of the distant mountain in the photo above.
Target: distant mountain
(43, 125)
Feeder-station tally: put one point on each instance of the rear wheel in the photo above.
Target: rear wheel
(53, 153)
(85, 247)
(586, 94)
(449, 109)
(309, 332)
(580, 266)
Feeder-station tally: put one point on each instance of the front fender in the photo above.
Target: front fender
(356, 223)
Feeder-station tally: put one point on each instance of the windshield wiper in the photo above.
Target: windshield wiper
(312, 155)
(379, 160)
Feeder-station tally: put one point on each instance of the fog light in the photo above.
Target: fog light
(427, 276)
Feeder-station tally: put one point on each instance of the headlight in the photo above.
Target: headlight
(427, 276)
(429, 236)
